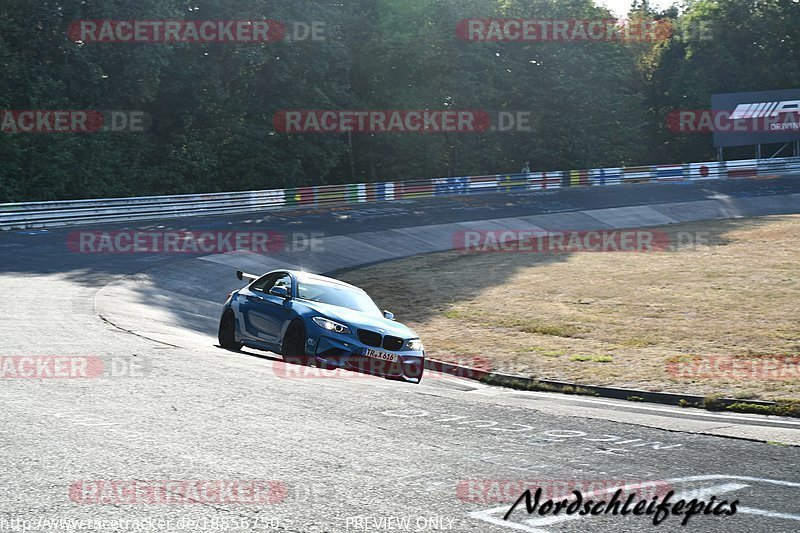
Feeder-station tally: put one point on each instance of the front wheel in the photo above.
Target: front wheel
(227, 332)
(293, 347)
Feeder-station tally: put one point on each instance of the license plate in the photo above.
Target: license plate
(383, 356)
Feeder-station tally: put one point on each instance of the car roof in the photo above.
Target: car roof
(322, 279)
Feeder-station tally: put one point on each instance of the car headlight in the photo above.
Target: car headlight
(415, 344)
(330, 325)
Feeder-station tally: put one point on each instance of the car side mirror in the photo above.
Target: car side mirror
(280, 292)
(388, 315)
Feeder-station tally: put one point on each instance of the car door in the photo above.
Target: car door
(265, 313)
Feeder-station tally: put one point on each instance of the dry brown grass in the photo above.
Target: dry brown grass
(611, 318)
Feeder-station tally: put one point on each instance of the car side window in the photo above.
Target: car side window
(263, 283)
(284, 280)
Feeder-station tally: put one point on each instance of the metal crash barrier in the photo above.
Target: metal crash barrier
(63, 213)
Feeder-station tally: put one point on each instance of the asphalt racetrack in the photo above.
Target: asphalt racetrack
(339, 453)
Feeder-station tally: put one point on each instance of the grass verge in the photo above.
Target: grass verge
(616, 319)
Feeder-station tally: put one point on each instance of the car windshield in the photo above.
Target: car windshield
(328, 293)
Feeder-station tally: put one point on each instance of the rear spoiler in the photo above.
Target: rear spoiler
(245, 275)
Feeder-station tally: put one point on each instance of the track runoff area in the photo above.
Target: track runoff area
(167, 428)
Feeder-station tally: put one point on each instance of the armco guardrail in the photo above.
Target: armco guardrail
(63, 213)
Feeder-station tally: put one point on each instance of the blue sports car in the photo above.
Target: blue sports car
(315, 320)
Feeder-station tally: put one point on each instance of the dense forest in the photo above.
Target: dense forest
(211, 106)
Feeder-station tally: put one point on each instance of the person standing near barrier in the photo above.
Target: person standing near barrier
(527, 168)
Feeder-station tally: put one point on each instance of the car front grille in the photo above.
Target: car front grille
(392, 343)
(370, 338)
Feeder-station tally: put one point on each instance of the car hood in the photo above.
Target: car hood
(351, 317)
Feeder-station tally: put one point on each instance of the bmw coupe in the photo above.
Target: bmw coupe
(320, 321)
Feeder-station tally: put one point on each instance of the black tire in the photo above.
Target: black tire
(293, 347)
(227, 332)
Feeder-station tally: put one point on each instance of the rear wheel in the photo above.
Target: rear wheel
(227, 332)
(293, 347)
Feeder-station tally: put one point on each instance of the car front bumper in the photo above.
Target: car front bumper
(348, 354)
